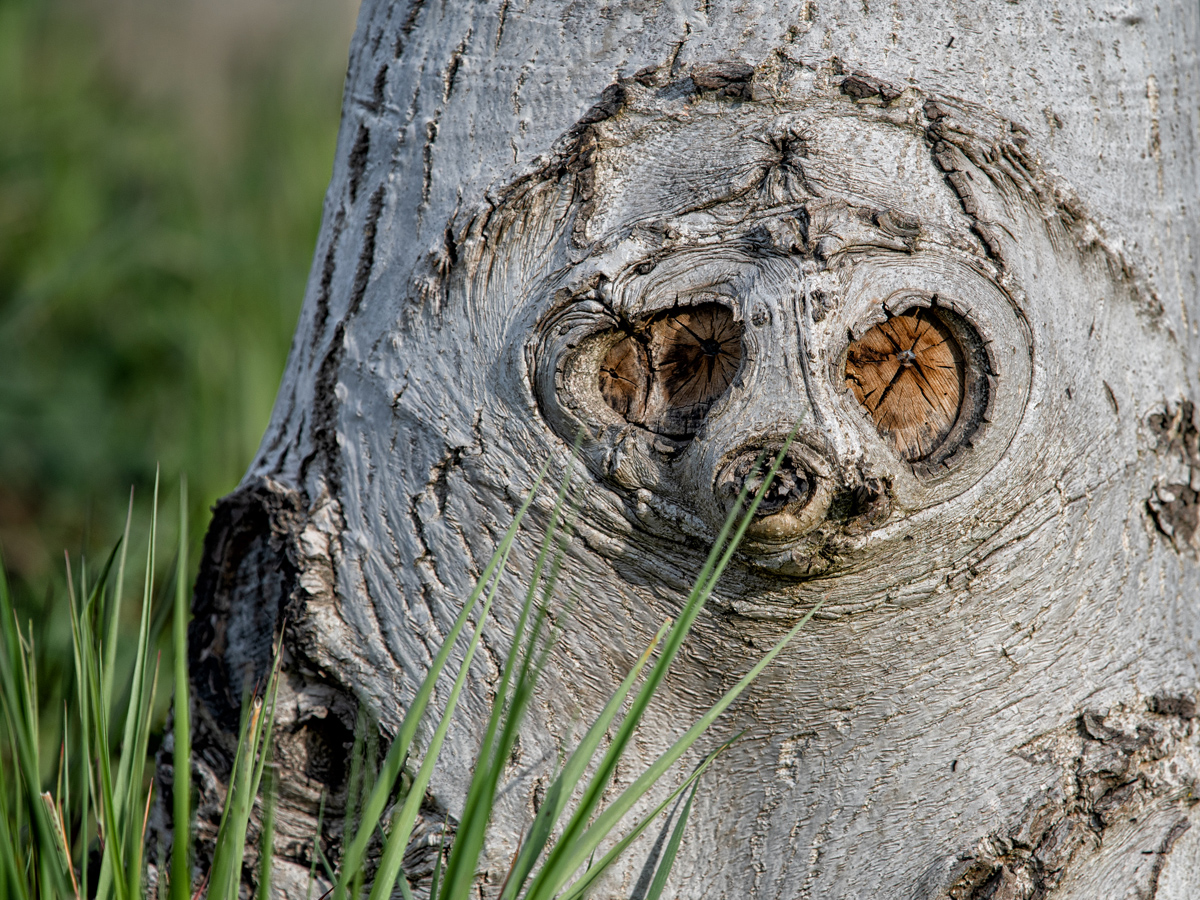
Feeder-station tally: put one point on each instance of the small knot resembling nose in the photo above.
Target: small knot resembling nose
(793, 503)
(792, 484)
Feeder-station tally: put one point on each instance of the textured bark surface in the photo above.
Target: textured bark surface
(678, 230)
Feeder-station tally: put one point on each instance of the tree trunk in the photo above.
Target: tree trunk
(958, 244)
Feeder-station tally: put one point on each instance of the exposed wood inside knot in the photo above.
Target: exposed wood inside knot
(666, 373)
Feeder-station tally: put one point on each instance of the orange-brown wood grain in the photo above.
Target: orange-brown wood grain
(908, 372)
(667, 375)
(624, 378)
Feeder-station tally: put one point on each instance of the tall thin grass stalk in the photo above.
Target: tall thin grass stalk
(181, 791)
(102, 794)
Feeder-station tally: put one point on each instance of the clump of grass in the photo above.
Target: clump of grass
(102, 795)
(45, 837)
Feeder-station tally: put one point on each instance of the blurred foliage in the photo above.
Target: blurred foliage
(155, 239)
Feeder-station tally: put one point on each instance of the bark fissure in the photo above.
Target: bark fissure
(1110, 776)
(1174, 506)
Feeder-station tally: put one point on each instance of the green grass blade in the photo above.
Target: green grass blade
(397, 755)
(60, 842)
(354, 784)
(222, 872)
(135, 713)
(242, 803)
(181, 877)
(596, 868)
(507, 712)
(132, 763)
(621, 805)
(560, 790)
(663, 872)
(20, 727)
(64, 793)
(86, 742)
(14, 885)
(261, 751)
(88, 655)
(266, 841)
(404, 820)
(138, 799)
(122, 804)
(370, 765)
(244, 781)
(114, 612)
(112, 873)
(556, 870)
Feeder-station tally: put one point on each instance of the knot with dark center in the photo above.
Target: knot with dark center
(792, 485)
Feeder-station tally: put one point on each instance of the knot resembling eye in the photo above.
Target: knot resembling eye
(921, 376)
(666, 372)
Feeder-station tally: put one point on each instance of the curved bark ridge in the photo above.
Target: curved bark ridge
(822, 273)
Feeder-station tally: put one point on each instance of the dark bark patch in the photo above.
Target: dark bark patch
(1114, 774)
(249, 588)
(328, 269)
(366, 256)
(612, 99)
(729, 78)
(325, 405)
(246, 578)
(1112, 399)
(451, 74)
(861, 87)
(327, 744)
(379, 89)
(1174, 507)
(431, 133)
(501, 19)
(357, 163)
(1175, 431)
(1175, 510)
(406, 28)
(1164, 850)
(1179, 705)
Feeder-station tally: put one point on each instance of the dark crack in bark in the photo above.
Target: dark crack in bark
(1115, 767)
(1174, 506)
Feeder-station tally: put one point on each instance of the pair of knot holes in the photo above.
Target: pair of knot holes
(920, 375)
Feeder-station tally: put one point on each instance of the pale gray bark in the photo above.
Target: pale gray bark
(997, 698)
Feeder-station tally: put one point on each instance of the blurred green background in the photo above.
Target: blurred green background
(162, 167)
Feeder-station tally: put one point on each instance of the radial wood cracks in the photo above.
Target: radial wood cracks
(666, 373)
(909, 373)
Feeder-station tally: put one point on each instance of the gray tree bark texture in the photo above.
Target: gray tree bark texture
(535, 207)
